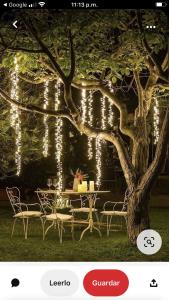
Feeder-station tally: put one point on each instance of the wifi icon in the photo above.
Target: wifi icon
(41, 3)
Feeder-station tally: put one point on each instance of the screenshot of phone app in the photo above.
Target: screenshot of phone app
(84, 150)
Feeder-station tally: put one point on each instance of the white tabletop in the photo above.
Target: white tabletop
(71, 192)
(84, 193)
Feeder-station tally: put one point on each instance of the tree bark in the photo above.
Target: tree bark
(140, 151)
(138, 215)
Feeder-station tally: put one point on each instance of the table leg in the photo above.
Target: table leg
(91, 223)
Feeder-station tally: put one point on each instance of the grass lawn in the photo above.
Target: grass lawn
(91, 248)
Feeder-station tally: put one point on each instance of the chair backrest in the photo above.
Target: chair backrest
(109, 205)
(85, 200)
(63, 201)
(14, 198)
(46, 202)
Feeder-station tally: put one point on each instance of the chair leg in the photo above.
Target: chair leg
(101, 218)
(97, 218)
(26, 228)
(45, 233)
(58, 229)
(61, 232)
(13, 227)
(72, 230)
(107, 225)
(110, 223)
(43, 226)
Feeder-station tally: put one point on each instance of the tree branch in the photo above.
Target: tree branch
(46, 50)
(36, 81)
(124, 127)
(97, 85)
(140, 93)
(157, 164)
(114, 138)
(36, 109)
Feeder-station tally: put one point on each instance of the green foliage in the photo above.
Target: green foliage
(102, 39)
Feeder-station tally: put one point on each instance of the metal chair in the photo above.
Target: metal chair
(110, 210)
(21, 210)
(49, 208)
(84, 207)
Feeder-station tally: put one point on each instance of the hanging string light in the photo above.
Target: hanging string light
(45, 120)
(110, 108)
(15, 115)
(99, 143)
(98, 162)
(90, 122)
(156, 120)
(103, 112)
(84, 106)
(59, 138)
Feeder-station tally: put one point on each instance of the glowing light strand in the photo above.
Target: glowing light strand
(59, 139)
(45, 120)
(98, 162)
(84, 106)
(15, 115)
(99, 143)
(110, 108)
(103, 113)
(90, 122)
(156, 120)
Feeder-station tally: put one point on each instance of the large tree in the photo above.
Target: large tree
(86, 50)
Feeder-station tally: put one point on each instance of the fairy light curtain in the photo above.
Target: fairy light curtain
(106, 120)
(156, 119)
(45, 120)
(59, 138)
(90, 122)
(110, 108)
(15, 115)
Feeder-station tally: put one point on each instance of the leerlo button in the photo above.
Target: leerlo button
(59, 283)
(106, 283)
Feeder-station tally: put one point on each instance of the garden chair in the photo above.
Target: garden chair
(50, 213)
(111, 210)
(84, 207)
(22, 210)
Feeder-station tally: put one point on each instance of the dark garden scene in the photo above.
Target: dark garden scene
(84, 131)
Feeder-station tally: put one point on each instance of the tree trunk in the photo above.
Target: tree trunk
(140, 151)
(138, 215)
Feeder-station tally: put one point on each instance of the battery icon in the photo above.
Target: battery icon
(161, 4)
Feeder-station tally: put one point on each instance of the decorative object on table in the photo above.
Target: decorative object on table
(78, 178)
(91, 186)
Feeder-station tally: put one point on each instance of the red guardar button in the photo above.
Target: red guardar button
(106, 283)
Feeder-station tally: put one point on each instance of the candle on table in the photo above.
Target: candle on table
(84, 184)
(91, 186)
(80, 188)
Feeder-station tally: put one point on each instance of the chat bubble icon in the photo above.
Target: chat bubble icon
(15, 282)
